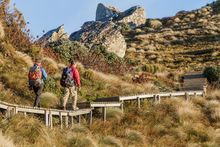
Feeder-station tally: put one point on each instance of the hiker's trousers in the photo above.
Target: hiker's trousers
(70, 91)
(38, 90)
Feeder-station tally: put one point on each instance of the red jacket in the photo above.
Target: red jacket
(76, 75)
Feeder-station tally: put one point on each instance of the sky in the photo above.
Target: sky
(49, 14)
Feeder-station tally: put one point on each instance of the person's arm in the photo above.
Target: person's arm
(76, 77)
(44, 74)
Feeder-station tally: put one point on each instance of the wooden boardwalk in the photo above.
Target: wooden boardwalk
(86, 108)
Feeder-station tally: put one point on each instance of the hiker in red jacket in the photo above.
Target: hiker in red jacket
(70, 80)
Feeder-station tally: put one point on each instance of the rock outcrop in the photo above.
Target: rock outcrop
(54, 35)
(106, 33)
(2, 33)
(135, 16)
(104, 13)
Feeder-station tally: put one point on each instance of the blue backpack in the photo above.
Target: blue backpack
(67, 78)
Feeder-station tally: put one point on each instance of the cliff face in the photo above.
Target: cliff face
(106, 33)
(134, 16)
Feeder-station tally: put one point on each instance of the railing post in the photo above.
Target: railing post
(104, 113)
(71, 118)
(25, 114)
(8, 112)
(187, 96)
(122, 106)
(195, 94)
(155, 98)
(79, 119)
(51, 119)
(15, 109)
(171, 96)
(67, 120)
(204, 91)
(158, 98)
(90, 119)
(139, 102)
(61, 120)
(46, 118)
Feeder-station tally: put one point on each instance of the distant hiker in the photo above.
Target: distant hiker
(70, 80)
(36, 76)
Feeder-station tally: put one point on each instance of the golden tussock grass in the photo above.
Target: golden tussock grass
(82, 141)
(61, 66)
(135, 137)
(111, 141)
(25, 58)
(2, 32)
(50, 65)
(187, 111)
(118, 85)
(5, 141)
(26, 131)
(214, 94)
(114, 114)
(49, 100)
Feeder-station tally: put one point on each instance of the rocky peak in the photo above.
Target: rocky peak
(104, 13)
(135, 16)
(54, 35)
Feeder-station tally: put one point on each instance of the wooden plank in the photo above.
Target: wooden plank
(3, 106)
(31, 110)
(105, 104)
(108, 99)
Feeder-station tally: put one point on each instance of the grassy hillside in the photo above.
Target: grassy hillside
(188, 41)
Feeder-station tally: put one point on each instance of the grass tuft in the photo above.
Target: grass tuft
(5, 142)
(49, 100)
(111, 141)
(134, 137)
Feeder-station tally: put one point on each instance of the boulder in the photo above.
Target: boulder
(2, 32)
(106, 33)
(135, 16)
(54, 35)
(156, 24)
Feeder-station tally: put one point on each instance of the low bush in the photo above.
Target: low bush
(213, 75)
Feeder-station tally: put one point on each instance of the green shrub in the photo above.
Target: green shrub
(212, 74)
(151, 68)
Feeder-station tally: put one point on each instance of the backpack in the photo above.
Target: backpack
(67, 78)
(35, 76)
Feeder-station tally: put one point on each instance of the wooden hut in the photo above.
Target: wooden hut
(194, 81)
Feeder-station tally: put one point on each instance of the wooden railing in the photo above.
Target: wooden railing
(104, 103)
